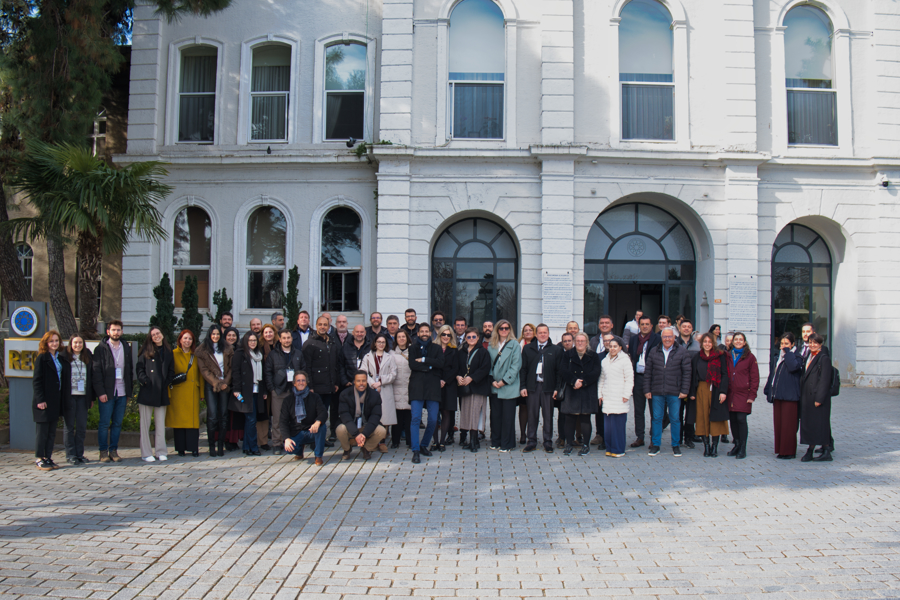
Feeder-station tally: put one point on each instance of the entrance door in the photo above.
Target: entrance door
(626, 298)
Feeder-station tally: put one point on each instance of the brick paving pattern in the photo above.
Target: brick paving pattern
(483, 525)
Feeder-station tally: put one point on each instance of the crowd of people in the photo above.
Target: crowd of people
(280, 390)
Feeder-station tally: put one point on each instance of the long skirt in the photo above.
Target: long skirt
(704, 426)
(470, 411)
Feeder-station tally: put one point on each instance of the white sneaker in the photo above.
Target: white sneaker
(161, 458)
(148, 459)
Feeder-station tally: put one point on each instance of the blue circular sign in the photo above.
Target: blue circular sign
(24, 321)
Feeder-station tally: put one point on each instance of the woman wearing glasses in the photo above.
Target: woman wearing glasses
(474, 385)
(449, 387)
(506, 360)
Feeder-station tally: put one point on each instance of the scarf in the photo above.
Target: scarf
(422, 346)
(642, 339)
(713, 368)
(736, 355)
(256, 359)
(360, 399)
(300, 403)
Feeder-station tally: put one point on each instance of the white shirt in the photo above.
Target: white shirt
(666, 353)
(641, 364)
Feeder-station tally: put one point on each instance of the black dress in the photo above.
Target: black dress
(450, 391)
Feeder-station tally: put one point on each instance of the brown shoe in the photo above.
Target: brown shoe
(297, 457)
(104, 456)
(382, 448)
(114, 456)
(319, 462)
(637, 443)
(366, 454)
(346, 455)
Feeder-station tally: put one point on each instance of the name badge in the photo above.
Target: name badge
(255, 387)
(118, 373)
(358, 363)
(81, 385)
(290, 375)
(359, 423)
(540, 369)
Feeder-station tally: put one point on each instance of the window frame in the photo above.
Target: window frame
(319, 91)
(248, 268)
(192, 267)
(239, 265)
(174, 89)
(245, 105)
(167, 258)
(343, 271)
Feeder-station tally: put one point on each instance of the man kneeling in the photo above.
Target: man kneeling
(302, 415)
(360, 414)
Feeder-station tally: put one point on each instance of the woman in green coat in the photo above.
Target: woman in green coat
(506, 360)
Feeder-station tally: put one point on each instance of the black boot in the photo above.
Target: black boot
(736, 449)
(825, 456)
(714, 448)
(706, 446)
(809, 454)
(476, 445)
(221, 446)
(742, 453)
(462, 439)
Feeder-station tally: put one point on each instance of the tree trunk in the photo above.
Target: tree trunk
(59, 299)
(90, 258)
(12, 280)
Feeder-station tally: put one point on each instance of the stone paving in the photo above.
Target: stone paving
(480, 525)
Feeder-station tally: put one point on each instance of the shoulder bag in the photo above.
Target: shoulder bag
(182, 377)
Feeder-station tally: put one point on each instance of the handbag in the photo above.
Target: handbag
(182, 377)
(561, 388)
(466, 390)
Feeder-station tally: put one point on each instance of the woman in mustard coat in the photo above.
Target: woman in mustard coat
(183, 414)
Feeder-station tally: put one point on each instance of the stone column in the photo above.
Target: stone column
(396, 72)
(557, 73)
(393, 245)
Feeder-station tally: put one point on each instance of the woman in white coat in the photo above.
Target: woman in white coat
(614, 391)
(382, 371)
(400, 390)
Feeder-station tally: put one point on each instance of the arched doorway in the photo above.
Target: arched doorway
(475, 272)
(801, 283)
(638, 256)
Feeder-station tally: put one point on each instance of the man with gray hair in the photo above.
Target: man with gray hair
(667, 380)
(278, 320)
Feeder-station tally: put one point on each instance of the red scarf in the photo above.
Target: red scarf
(713, 368)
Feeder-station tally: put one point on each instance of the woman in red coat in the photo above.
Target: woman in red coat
(743, 383)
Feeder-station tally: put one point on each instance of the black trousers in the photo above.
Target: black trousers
(687, 429)
(540, 405)
(332, 403)
(216, 415)
(739, 427)
(187, 440)
(75, 426)
(45, 439)
(640, 406)
(503, 423)
(404, 419)
(572, 423)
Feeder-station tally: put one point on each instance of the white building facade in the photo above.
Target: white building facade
(734, 162)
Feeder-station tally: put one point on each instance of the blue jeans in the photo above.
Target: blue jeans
(250, 442)
(111, 414)
(433, 407)
(313, 439)
(660, 404)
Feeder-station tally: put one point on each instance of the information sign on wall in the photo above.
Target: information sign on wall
(557, 297)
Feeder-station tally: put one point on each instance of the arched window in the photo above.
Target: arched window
(26, 263)
(808, 66)
(341, 260)
(191, 252)
(270, 86)
(477, 68)
(646, 71)
(475, 272)
(346, 69)
(637, 256)
(197, 94)
(801, 282)
(266, 242)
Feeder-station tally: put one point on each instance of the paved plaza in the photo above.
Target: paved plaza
(469, 525)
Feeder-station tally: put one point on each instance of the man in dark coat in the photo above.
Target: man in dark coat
(360, 413)
(641, 344)
(605, 325)
(426, 363)
(282, 364)
(538, 382)
(667, 380)
(324, 361)
(302, 420)
(113, 380)
(353, 351)
(410, 326)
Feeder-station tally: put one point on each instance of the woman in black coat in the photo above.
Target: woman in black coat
(246, 385)
(80, 399)
(580, 369)
(815, 400)
(474, 386)
(449, 387)
(783, 392)
(709, 390)
(52, 387)
(155, 370)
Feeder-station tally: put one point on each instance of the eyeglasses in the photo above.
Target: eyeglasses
(504, 328)
(446, 335)
(471, 337)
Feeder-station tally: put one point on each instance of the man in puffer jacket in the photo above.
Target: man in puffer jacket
(667, 379)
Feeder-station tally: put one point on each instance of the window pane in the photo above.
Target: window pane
(464, 230)
(636, 272)
(791, 298)
(202, 276)
(681, 301)
(351, 292)
(506, 302)
(792, 253)
(681, 272)
(487, 231)
(442, 297)
(654, 221)
(593, 303)
(812, 118)
(594, 272)
(790, 274)
(192, 238)
(504, 247)
(445, 247)
(475, 250)
(678, 245)
(807, 44)
(474, 270)
(266, 231)
(345, 115)
(647, 112)
(341, 245)
(345, 67)
(821, 309)
(803, 235)
(475, 301)
(271, 69)
(198, 71)
(636, 247)
(477, 111)
(332, 290)
(597, 243)
(618, 221)
(265, 289)
(645, 38)
(819, 252)
(477, 38)
(196, 118)
(442, 270)
(506, 271)
(268, 118)
(822, 275)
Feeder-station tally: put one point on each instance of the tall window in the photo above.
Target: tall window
(26, 262)
(477, 68)
(341, 260)
(645, 71)
(266, 242)
(191, 252)
(269, 92)
(345, 91)
(811, 98)
(474, 273)
(801, 283)
(197, 95)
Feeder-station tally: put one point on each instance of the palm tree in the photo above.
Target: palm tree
(81, 199)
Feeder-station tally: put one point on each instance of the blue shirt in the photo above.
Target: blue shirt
(55, 357)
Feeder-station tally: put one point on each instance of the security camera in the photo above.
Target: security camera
(885, 183)
(351, 142)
